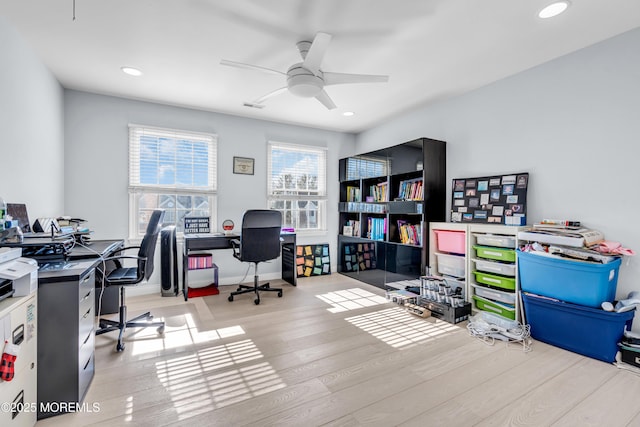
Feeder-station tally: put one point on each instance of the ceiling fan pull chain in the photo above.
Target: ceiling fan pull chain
(74, 10)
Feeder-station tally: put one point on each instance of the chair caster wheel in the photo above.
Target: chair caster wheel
(256, 301)
(160, 330)
(120, 347)
(280, 294)
(230, 298)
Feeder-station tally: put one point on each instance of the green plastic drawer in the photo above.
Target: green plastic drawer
(495, 280)
(499, 254)
(495, 307)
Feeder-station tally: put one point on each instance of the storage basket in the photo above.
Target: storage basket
(452, 265)
(495, 267)
(494, 307)
(588, 331)
(496, 240)
(578, 282)
(495, 280)
(495, 294)
(451, 241)
(498, 254)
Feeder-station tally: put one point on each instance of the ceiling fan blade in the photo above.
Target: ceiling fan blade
(343, 78)
(270, 95)
(314, 57)
(323, 97)
(250, 67)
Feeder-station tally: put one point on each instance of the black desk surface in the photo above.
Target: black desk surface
(95, 249)
(79, 260)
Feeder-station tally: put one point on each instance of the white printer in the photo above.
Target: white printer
(18, 275)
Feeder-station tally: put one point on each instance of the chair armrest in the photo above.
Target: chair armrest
(235, 245)
(116, 258)
(125, 249)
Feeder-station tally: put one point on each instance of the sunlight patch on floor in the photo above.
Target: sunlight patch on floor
(351, 299)
(150, 341)
(398, 328)
(195, 387)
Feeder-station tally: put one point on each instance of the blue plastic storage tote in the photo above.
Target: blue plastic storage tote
(584, 330)
(579, 282)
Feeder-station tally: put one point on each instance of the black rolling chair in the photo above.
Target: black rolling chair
(125, 276)
(259, 242)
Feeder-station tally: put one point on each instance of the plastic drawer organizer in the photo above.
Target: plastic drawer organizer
(494, 287)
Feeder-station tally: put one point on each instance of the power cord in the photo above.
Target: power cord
(102, 271)
(489, 328)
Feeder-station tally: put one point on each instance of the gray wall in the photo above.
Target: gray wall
(31, 129)
(572, 123)
(96, 129)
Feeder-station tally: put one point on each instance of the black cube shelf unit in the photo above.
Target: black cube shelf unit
(387, 199)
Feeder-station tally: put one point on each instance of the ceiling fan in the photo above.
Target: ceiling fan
(306, 79)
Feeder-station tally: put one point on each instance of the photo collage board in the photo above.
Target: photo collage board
(498, 199)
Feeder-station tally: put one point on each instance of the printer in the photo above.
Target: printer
(18, 275)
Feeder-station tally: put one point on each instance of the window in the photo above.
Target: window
(297, 185)
(366, 167)
(171, 170)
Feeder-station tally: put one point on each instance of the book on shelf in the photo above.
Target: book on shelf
(351, 228)
(411, 189)
(410, 234)
(353, 194)
(376, 228)
(379, 191)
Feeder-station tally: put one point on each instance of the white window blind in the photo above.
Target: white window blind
(297, 185)
(172, 170)
(366, 167)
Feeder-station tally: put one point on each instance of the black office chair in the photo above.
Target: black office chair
(259, 242)
(125, 276)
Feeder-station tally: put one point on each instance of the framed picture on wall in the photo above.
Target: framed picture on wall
(243, 165)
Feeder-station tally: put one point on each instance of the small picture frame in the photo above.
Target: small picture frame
(243, 165)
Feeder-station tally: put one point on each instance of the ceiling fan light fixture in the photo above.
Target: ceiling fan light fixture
(305, 85)
(348, 113)
(131, 71)
(554, 9)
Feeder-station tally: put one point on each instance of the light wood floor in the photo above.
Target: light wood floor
(333, 352)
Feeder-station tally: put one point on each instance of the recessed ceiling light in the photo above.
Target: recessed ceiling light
(553, 9)
(131, 71)
(348, 113)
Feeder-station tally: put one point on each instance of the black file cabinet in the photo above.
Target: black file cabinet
(66, 335)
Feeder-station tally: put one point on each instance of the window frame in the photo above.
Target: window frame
(136, 188)
(321, 197)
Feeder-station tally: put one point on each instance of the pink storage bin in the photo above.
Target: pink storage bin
(451, 241)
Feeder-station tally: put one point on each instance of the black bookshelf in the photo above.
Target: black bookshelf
(402, 187)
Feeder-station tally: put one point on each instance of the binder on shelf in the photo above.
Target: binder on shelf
(199, 261)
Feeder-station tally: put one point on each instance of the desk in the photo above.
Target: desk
(195, 242)
(95, 249)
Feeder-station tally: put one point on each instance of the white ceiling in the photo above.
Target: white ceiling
(431, 49)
